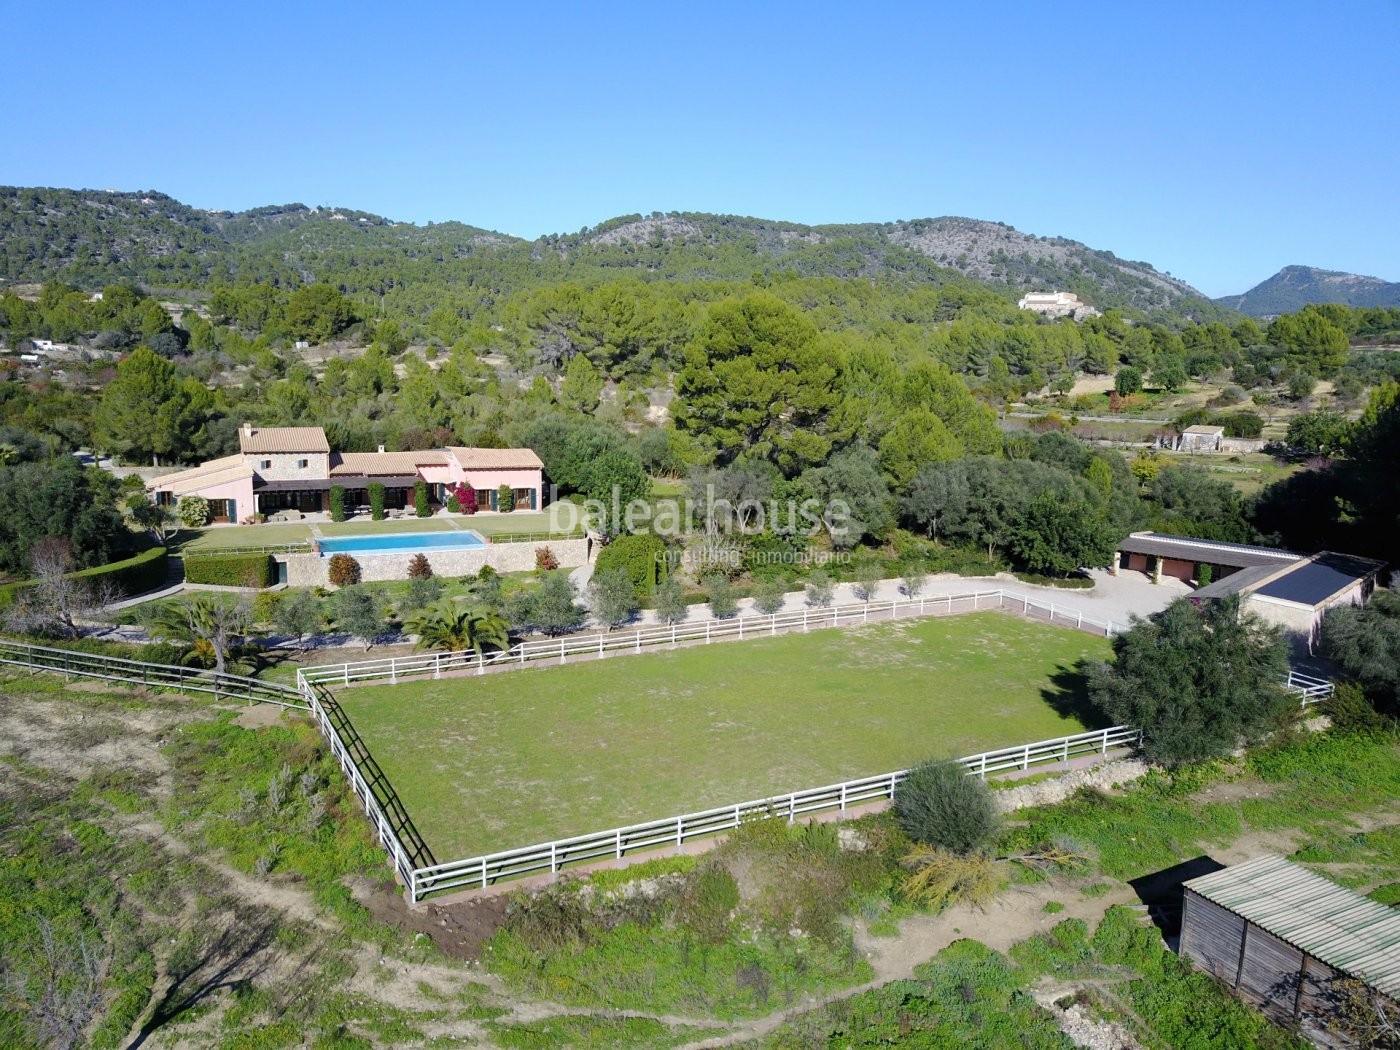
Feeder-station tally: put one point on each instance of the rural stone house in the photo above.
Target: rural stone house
(293, 468)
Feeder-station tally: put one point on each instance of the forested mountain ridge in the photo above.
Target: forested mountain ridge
(1294, 287)
(93, 237)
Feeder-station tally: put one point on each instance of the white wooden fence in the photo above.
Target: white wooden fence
(676, 831)
(295, 547)
(1309, 689)
(378, 805)
(72, 663)
(406, 849)
(559, 650)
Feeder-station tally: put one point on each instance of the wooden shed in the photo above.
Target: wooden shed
(1285, 939)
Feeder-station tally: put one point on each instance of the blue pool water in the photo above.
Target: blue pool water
(402, 542)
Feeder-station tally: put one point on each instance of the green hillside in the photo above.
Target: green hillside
(91, 238)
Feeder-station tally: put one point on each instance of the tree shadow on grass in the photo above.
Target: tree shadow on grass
(231, 952)
(1068, 695)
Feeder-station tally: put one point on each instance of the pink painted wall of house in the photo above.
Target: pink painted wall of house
(241, 492)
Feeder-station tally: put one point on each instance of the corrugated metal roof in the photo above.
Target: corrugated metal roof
(1319, 578)
(1216, 552)
(252, 440)
(1329, 922)
(496, 458)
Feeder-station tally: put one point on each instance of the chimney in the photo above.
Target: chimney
(247, 429)
(381, 449)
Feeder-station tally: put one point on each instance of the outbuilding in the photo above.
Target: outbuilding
(1202, 438)
(1299, 947)
(1298, 595)
(1182, 557)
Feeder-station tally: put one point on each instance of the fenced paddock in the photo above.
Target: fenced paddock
(414, 862)
(488, 763)
(740, 628)
(675, 832)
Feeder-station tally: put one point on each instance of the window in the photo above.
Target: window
(264, 464)
(301, 464)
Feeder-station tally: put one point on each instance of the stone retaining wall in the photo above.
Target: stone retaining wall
(309, 570)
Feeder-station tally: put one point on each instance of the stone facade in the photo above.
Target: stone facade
(287, 466)
(309, 570)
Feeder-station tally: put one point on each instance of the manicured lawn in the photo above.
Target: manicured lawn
(497, 761)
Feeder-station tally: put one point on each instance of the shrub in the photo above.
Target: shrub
(337, 503)
(231, 570)
(1203, 575)
(505, 499)
(1351, 710)
(939, 805)
(938, 878)
(135, 575)
(343, 570)
(769, 594)
(265, 606)
(708, 901)
(1240, 424)
(453, 505)
(418, 567)
(545, 559)
(820, 589)
(421, 506)
(1127, 381)
(723, 604)
(376, 500)
(193, 511)
(423, 591)
(466, 499)
(641, 556)
(671, 605)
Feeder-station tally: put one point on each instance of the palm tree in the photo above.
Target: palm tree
(210, 626)
(451, 627)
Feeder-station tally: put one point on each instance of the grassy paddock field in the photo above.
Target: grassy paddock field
(498, 761)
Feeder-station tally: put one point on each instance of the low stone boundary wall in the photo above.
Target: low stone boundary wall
(309, 570)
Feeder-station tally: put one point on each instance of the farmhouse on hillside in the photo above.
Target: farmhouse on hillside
(294, 469)
(1056, 304)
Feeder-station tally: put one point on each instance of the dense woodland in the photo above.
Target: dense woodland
(774, 361)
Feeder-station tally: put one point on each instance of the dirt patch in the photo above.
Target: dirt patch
(459, 930)
(259, 716)
(76, 739)
(1235, 791)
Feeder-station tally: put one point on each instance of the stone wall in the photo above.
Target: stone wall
(309, 570)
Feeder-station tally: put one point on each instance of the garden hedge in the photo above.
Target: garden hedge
(641, 556)
(142, 572)
(231, 570)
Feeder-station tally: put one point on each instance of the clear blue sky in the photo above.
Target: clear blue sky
(1218, 141)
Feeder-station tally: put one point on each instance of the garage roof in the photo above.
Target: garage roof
(1318, 578)
(1335, 925)
(1216, 552)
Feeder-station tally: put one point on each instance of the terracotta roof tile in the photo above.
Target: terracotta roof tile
(496, 458)
(282, 439)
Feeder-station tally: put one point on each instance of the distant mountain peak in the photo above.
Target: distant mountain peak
(1295, 286)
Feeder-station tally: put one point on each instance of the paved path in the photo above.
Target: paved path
(1113, 599)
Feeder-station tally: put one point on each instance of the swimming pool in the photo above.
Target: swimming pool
(402, 543)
